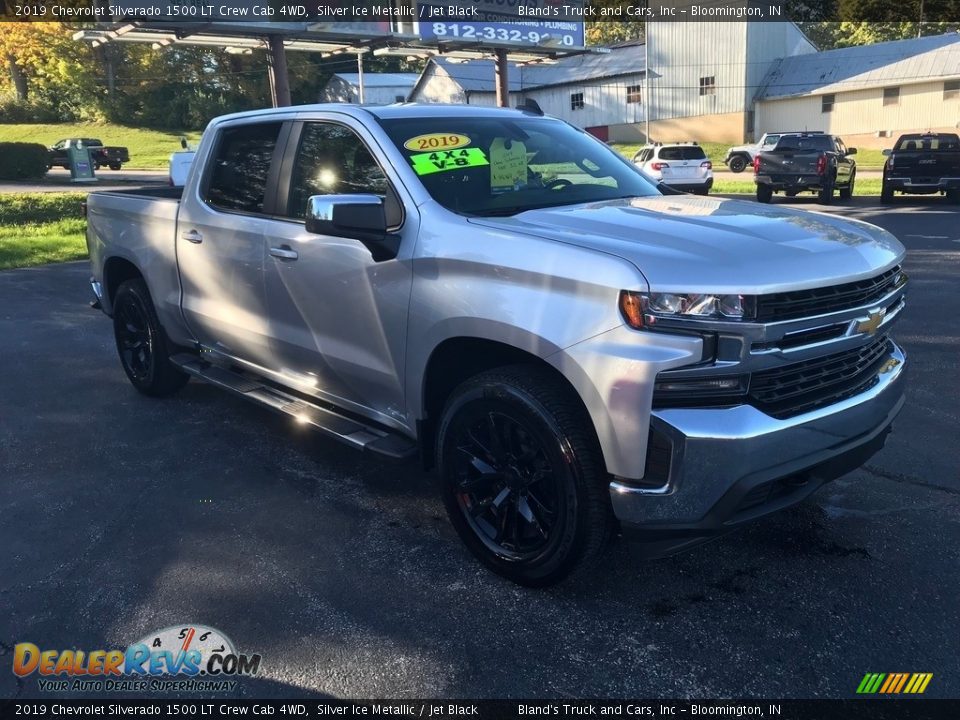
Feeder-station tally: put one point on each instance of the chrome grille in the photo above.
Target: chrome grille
(800, 387)
(818, 301)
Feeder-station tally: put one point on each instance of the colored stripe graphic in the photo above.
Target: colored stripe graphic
(894, 683)
(903, 680)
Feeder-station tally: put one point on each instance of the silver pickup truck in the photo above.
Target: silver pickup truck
(508, 298)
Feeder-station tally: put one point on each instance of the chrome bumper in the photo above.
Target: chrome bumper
(724, 458)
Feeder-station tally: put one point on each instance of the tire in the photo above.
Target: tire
(825, 194)
(115, 166)
(886, 194)
(522, 476)
(764, 193)
(142, 344)
(737, 164)
(847, 192)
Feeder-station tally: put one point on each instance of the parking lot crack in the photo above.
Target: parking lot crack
(909, 480)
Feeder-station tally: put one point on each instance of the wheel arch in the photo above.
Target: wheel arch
(116, 271)
(455, 360)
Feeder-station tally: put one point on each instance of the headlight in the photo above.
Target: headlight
(642, 310)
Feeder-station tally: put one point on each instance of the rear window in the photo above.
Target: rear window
(930, 143)
(239, 175)
(804, 143)
(683, 152)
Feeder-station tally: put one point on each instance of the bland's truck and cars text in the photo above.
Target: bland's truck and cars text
(495, 291)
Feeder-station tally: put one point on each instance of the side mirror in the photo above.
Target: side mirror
(359, 217)
(851, 151)
(886, 152)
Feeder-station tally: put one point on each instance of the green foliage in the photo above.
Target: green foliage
(149, 149)
(37, 228)
(22, 160)
(33, 208)
(31, 110)
(864, 187)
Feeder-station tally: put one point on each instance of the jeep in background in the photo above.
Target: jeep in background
(923, 164)
(806, 161)
(102, 155)
(507, 297)
(740, 157)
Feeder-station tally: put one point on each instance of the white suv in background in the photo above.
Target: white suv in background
(683, 166)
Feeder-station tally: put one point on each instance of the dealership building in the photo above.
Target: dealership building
(727, 82)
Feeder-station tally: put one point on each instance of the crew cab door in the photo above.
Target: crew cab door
(338, 317)
(221, 231)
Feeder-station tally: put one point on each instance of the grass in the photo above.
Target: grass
(863, 187)
(149, 149)
(40, 228)
(867, 158)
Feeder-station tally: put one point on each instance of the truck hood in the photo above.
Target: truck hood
(697, 244)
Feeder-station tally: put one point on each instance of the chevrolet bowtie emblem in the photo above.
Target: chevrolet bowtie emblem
(870, 325)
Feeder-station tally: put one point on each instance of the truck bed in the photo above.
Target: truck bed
(140, 225)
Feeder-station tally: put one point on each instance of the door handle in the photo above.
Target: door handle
(284, 253)
(192, 236)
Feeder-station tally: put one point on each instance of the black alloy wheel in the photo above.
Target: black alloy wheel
(507, 488)
(522, 475)
(141, 342)
(134, 340)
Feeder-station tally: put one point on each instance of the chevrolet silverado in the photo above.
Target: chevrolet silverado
(577, 354)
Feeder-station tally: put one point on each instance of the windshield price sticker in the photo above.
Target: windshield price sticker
(508, 165)
(437, 141)
(427, 163)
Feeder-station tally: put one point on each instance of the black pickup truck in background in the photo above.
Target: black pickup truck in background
(102, 155)
(923, 164)
(805, 161)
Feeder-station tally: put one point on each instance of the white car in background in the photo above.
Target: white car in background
(180, 163)
(682, 166)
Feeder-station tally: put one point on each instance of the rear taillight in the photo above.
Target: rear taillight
(756, 165)
(83, 208)
(821, 165)
(707, 165)
(659, 165)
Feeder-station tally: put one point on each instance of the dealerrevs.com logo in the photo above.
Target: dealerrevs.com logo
(179, 658)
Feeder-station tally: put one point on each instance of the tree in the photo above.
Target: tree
(614, 25)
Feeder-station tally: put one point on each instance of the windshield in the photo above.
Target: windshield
(504, 166)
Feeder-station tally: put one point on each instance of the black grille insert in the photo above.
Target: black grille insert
(800, 387)
(817, 301)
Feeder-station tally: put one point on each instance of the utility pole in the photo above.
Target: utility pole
(360, 76)
(646, 79)
(279, 80)
(503, 88)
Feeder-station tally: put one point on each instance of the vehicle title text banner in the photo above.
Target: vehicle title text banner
(490, 709)
(416, 16)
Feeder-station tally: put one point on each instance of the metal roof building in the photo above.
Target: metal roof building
(900, 62)
(600, 80)
(868, 94)
(379, 88)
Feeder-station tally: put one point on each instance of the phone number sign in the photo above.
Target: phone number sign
(511, 22)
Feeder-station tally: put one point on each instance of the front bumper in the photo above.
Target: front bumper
(732, 465)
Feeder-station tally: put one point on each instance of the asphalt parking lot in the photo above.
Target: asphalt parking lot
(122, 515)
